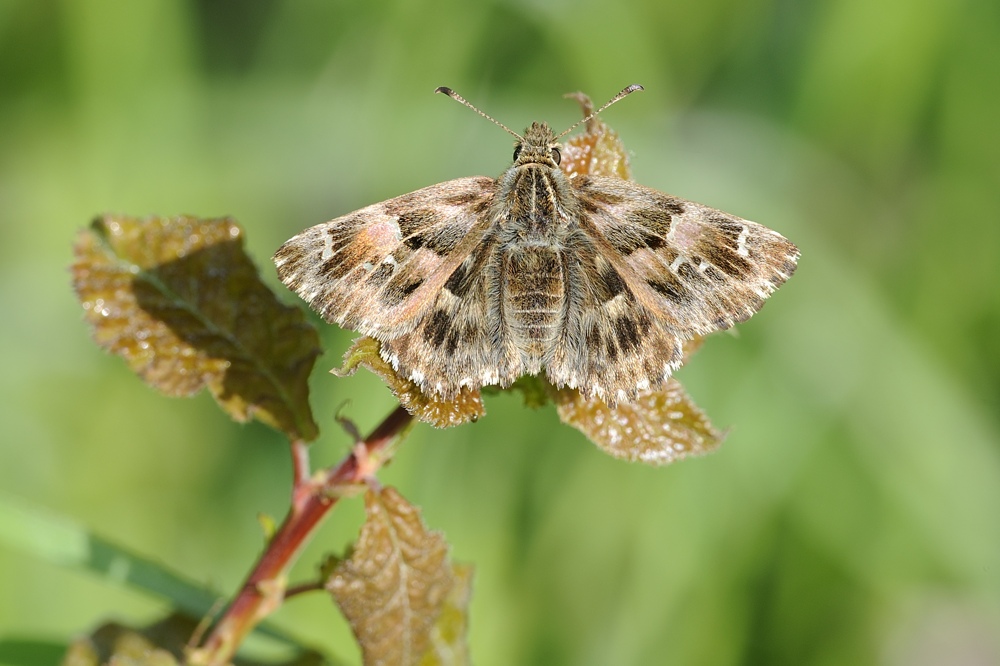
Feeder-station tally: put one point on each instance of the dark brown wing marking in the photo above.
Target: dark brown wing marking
(379, 269)
(459, 341)
(697, 269)
(612, 345)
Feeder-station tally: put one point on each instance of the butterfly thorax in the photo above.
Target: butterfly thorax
(534, 196)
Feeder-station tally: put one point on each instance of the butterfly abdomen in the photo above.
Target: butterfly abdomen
(534, 292)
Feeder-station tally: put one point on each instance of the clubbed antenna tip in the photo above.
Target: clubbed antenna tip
(624, 93)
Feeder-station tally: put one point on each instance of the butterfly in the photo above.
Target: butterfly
(595, 281)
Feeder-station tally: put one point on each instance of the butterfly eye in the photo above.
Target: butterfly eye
(556, 155)
(517, 151)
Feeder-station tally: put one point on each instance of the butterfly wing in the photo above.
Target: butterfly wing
(698, 269)
(379, 269)
(653, 271)
(460, 341)
(611, 345)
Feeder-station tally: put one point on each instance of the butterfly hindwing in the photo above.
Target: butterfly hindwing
(611, 345)
(460, 340)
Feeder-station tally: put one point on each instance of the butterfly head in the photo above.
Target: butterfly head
(538, 146)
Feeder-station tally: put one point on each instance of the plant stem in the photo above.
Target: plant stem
(264, 589)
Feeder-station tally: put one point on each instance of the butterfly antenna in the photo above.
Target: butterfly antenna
(622, 95)
(458, 98)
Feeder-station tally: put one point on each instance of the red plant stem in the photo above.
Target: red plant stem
(263, 591)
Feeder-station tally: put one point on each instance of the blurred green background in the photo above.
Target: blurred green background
(853, 515)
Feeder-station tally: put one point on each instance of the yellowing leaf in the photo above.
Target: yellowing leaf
(467, 406)
(395, 584)
(659, 427)
(181, 302)
(449, 638)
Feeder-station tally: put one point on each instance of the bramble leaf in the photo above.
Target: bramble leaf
(181, 302)
(657, 428)
(396, 582)
(467, 405)
(449, 638)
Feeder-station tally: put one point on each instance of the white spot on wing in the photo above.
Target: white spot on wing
(741, 242)
(327, 246)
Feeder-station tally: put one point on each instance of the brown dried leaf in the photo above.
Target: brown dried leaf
(449, 638)
(181, 302)
(658, 428)
(395, 584)
(467, 406)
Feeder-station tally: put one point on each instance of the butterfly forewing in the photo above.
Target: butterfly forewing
(379, 269)
(698, 269)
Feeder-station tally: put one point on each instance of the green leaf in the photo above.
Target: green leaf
(29, 652)
(66, 543)
(181, 302)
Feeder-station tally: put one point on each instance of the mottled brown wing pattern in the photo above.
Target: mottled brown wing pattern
(696, 269)
(597, 281)
(379, 269)
(611, 345)
(460, 341)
